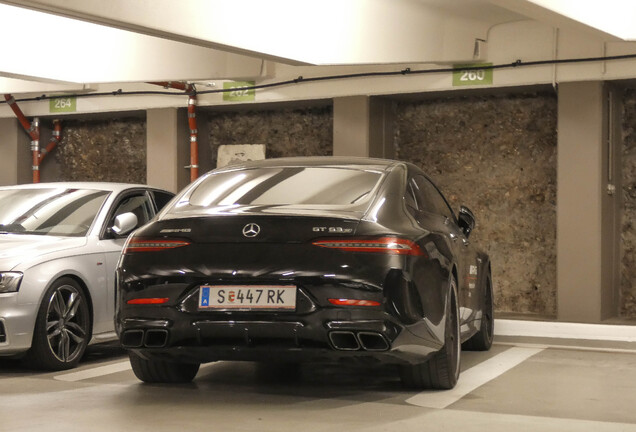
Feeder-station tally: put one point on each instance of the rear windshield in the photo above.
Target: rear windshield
(49, 211)
(309, 187)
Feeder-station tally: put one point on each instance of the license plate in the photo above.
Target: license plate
(248, 297)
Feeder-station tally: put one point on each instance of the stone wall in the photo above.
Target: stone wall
(103, 150)
(628, 235)
(288, 132)
(496, 155)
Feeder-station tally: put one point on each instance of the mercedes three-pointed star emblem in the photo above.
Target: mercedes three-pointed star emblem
(251, 230)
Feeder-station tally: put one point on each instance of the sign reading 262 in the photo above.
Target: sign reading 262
(239, 91)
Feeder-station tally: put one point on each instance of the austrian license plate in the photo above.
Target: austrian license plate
(248, 297)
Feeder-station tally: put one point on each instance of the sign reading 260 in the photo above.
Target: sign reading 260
(471, 74)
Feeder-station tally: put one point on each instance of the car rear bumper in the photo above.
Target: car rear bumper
(325, 334)
(404, 323)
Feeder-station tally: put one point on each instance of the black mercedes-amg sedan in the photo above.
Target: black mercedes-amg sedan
(306, 259)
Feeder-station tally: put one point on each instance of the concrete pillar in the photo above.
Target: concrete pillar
(15, 149)
(205, 150)
(586, 211)
(167, 148)
(612, 204)
(362, 126)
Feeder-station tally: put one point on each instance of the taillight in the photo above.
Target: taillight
(387, 245)
(148, 301)
(152, 245)
(353, 302)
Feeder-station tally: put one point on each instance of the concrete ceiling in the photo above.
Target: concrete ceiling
(68, 44)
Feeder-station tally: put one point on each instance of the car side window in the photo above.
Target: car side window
(430, 197)
(161, 198)
(409, 197)
(138, 204)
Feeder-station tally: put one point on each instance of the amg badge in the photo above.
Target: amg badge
(175, 230)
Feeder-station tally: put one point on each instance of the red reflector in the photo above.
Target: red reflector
(353, 302)
(143, 301)
(142, 245)
(387, 245)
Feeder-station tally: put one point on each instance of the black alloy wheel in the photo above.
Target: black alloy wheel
(63, 327)
(482, 340)
(442, 370)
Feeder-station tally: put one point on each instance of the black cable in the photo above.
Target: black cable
(301, 79)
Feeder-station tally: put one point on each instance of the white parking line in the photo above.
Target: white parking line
(94, 372)
(474, 377)
(469, 380)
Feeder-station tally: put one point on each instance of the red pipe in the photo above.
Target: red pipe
(194, 145)
(28, 127)
(54, 141)
(173, 84)
(192, 122)
(33, 129)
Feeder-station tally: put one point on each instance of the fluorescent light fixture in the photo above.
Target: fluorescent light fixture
(615, 17)
(44, 47)
(49, 46)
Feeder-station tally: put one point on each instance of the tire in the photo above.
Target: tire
(482, 340)
(160, 371)
(62, 327)
(442, 370)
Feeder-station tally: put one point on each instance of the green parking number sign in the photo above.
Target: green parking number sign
(472, 74)
(63, 104)
(239, 91)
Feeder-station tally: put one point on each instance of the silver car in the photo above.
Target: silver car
(59, 244)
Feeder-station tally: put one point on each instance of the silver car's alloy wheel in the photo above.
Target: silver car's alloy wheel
(62, 328)
(66, 323)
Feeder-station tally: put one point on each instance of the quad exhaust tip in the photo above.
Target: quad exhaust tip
(153, 338)
(350, 341)
(340, 340)
(132, 338)
(371, 341)
(344, 341)
(156, 338)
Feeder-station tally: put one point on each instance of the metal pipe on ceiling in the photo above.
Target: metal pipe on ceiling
(33, 129)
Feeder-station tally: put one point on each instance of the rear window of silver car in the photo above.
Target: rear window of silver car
(287, 186)
(49, 211)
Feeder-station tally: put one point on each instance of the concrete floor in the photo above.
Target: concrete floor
(514, 387)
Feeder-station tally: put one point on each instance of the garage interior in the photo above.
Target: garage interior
(523, 110)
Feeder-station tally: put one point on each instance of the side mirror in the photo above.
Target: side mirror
(124, 224)
(466, 220)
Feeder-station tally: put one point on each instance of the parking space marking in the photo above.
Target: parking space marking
(94, 372)
(475, 377)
